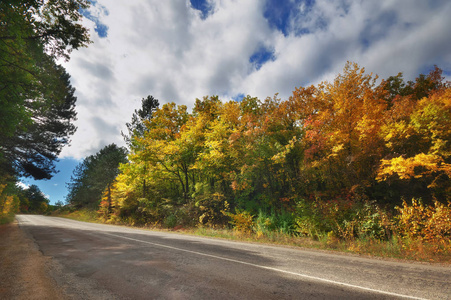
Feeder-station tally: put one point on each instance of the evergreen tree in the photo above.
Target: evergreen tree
(137, 126)
(36, 99)
(95, 174)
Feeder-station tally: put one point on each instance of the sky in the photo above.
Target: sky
(180, 50)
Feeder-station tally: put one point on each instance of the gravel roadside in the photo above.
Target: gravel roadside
(24, 271)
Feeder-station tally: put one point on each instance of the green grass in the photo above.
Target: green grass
(5, 219)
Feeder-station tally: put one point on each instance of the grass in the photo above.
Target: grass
(85, 215)
(6, 218)
(394, 248)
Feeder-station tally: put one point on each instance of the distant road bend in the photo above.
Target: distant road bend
(96, 261)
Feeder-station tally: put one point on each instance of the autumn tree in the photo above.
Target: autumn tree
(137, 127)
(157, 161)
(326, 151)
(418, 149)
(163, 148)
(342, 145)
(10, 200)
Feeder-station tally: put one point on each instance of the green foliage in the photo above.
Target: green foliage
(342, 218)
(94, 175)
(283, 223)
(37, 103)
(170, 221)
(37, 201)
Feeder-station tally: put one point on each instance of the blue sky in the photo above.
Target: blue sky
(55, 189)
(182, 50)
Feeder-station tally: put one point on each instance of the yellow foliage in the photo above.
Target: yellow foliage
(9, 204)
(280, 156)
(414, 167)
(242, 221)
(431, 224)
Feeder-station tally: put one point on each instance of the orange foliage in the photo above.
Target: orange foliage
(242, 221)
(431, 224)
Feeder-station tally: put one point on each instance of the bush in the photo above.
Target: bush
(429, 224)
(9, 205)
(372, 222)
(342, 218)
(242, 221)
(170, 221)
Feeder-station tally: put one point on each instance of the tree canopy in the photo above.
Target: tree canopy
(137, 127)
(351, 139)
(37, 102)
(95, 174)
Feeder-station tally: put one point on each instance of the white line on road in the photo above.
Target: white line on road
(268, 268)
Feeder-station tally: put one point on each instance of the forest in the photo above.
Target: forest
(356, 158)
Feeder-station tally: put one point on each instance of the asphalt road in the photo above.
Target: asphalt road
(95, 261)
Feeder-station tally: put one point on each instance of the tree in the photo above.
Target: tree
(419, 149)
(9, 200)
(422, 87)
(325, 151)
(32, 150)
(106, 168)
(341, 132)
(36, 99)
(53, 24)
(94, 175)
(137, 126)
(38, 202)
(160, 145)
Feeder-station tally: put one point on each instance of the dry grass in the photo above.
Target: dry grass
(394, 248)
(84, 215)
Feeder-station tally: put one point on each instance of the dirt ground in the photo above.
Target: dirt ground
(23, 269)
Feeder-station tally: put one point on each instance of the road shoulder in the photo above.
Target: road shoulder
(24, 271)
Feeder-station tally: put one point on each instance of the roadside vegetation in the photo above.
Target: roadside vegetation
(37, 102)
(419, 245)
(25, 200)
(352, 165)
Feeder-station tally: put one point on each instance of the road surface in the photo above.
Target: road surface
(97, 261)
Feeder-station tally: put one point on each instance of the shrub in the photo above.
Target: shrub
(242, 221)
(9, 205)
(430, 224)
(262, 224)
(283, 222)
(342, 218)
(170, 221)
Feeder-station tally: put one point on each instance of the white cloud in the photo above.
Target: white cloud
(165, 49)
(22, 185)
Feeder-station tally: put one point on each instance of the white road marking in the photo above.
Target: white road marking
(269, 268)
